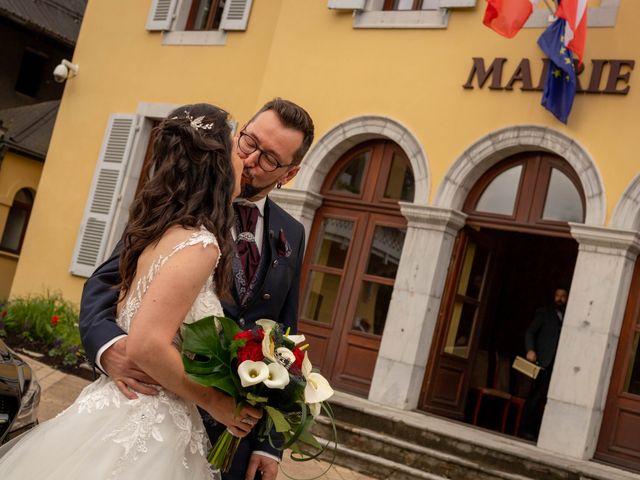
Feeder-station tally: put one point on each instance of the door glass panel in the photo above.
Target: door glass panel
(500, 195)
(400, 184)
(473, 269)
(332, 245)
(385, 252)
(320, 296)
(349, 180)
(372, 308)
(632, 382)
(563, 201)
(460, 329)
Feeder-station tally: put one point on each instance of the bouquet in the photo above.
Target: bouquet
(264, 367)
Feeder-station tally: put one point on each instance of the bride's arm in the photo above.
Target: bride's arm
(163, 309)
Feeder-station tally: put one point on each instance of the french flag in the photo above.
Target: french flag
(507, 17)
(575, 13)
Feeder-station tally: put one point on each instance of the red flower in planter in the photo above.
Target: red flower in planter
(3, 314)
(54, 320)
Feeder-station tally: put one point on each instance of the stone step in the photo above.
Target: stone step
(372, 435)
(384, 454)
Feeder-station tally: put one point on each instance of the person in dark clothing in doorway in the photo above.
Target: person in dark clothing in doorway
(541, 341)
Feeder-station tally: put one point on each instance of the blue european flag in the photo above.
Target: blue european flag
(560, 85)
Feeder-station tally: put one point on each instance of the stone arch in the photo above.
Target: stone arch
(496, 146)
(626, 215)
(333, 144)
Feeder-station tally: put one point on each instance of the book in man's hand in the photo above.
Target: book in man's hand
(525, 366)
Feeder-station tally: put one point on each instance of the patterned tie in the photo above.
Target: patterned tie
(247, 219)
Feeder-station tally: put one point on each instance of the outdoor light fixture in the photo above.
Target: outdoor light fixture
(64, 70)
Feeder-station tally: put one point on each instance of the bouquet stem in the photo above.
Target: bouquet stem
(222, 453)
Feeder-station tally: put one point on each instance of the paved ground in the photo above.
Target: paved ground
(59, 390)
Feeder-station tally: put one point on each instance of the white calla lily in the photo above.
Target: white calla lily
(317, 389)
(315, 408)
(297, 339)
(267, 344)
(285, 357)
(252, 373)
(278, 376)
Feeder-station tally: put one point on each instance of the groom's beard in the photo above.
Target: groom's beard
(248, 191)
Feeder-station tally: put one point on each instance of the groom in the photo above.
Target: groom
(269, 251)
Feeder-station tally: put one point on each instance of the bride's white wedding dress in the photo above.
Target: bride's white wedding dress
(104, 435)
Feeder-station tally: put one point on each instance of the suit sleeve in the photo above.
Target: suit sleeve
(532, 331)
(289, 314)
(98, 306)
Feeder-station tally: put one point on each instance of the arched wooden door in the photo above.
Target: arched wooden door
(619, 441)
(352, 258)
(530, 193)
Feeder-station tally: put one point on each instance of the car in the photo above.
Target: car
(19, 395)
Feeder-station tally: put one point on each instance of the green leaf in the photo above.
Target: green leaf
(307, 437)
(224, 383)
(256, 398)
(279, 421)
(229, 329)
(202, 337)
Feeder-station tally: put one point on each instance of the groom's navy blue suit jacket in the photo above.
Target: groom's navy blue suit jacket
(274, 297)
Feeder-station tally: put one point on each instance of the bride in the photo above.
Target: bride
(172, 270)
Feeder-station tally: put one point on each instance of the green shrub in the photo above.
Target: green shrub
(46, 319)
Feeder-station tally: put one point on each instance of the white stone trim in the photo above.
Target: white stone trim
(333, 144)
(300, 204)
(195, 37)
(401, 19)
(627, 212)
(415, 305)
(589, 340)
(500, 144)
(603, 16)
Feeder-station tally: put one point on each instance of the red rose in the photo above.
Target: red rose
(3, 314)
(299, 354)
(251, 351)
(54, 320)
(244, 335)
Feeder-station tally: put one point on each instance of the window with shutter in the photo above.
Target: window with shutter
(161, 15)
(105, 189)
(198, 22)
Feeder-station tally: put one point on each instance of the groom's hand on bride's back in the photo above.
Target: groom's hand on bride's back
(127, 376)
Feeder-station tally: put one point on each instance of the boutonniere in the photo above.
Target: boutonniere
(282, 245)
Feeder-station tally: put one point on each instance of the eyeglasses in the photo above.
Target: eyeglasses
(267, 161)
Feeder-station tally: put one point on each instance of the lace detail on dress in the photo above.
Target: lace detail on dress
(147, 413)
(203, 236)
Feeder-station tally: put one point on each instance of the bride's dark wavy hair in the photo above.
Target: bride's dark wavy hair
(192, 186)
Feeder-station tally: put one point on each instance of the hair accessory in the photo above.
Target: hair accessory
(196, 123)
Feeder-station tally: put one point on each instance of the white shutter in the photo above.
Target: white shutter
(457, 3)
(347, 4)
(105, 189)
(235, 15)
(161, 14)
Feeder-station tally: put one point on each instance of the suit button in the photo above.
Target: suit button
(275, 263)
(241, 321)
(266, 296)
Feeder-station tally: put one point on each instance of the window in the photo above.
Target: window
(197, 22)
(17, 221)
(31, 72)
(205, 15)
(411, 4)
(534, 190)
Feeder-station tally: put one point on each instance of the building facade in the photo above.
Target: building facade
(442, 203)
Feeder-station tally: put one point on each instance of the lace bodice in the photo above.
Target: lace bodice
(205, 304)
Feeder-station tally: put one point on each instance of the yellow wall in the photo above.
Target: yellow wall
(301, 50)
(16, 172)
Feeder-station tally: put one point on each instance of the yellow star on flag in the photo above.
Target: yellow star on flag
(556, 72)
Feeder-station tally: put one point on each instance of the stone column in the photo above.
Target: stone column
(415, 303)
(300, 204)
(589, 339)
